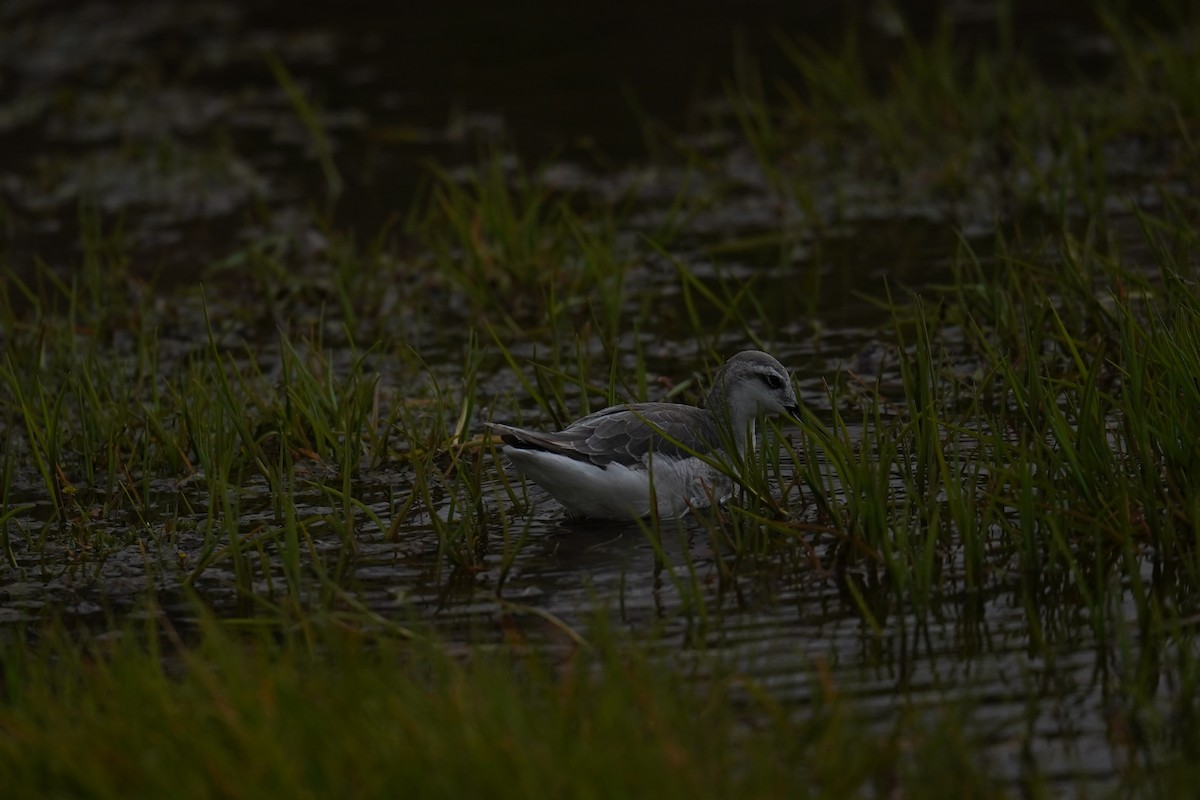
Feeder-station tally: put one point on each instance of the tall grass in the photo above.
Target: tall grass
(972, 135)
(1031, 434)
(150, 714)
(1057, 373)
(500, 233)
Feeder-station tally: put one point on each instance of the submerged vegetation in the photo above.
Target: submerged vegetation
(252, 537)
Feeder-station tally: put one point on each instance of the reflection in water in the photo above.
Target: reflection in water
(805, 621)
(220, 164)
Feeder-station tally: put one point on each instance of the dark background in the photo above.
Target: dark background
(160, 119)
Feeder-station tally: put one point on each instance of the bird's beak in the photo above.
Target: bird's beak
(793, 412)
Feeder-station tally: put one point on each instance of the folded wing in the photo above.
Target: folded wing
(623, 434)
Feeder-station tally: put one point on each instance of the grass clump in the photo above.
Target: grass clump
(974, 133)
(1045, 414)
(500, 233)
(142, 714)
(1026, 447)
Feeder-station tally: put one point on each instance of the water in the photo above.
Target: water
(174, 130)
(789, 620)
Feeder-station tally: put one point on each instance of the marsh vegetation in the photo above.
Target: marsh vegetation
(254, 539)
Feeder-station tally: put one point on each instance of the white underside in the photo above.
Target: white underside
(675, 486)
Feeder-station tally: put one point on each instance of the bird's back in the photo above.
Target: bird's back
(624, 434)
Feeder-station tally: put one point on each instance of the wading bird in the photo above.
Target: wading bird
(627, 460)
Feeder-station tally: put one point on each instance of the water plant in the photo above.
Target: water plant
(980, 543)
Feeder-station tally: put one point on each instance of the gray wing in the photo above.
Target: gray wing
(623, 434)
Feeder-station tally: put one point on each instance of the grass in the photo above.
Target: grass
(231, 715)
(1026, 446)
(962, 133)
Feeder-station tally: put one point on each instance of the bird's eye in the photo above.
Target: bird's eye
(772, 380)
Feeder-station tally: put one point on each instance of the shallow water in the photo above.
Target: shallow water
(201, 166)
(789, 621)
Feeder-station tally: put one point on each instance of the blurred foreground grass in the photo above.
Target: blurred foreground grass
(1041, 439)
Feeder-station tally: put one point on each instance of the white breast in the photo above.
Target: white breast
(617, 491)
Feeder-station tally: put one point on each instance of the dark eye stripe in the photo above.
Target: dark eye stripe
(772, 380)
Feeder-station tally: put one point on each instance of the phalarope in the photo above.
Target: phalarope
(623, 461)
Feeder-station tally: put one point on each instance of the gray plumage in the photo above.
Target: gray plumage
(623, 434)
(623, 460)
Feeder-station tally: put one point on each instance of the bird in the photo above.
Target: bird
(633, 460)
